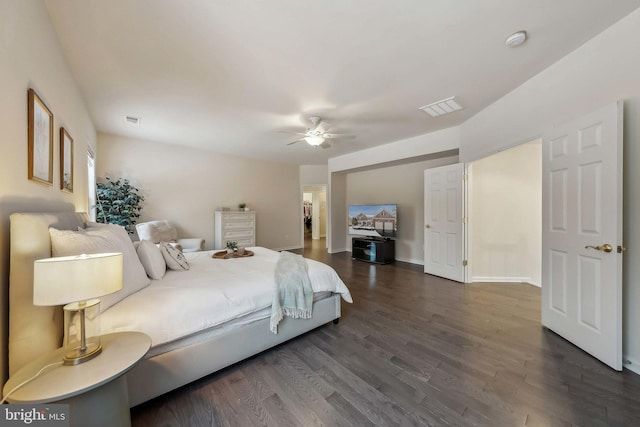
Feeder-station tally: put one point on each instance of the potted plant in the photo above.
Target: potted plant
(118, 202)
(242, 206)
(231, 246)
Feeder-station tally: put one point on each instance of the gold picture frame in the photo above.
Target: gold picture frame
(66, 161)
(40, 140)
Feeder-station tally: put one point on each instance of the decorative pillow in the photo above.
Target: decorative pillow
(104, 238)
(173, 257)
(176, 245)
(157, 231)
(151, 259)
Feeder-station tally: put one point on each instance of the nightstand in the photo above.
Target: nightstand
(96, 391)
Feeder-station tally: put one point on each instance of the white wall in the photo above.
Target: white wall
(603, 70)
(403, 185)
(416, 147)
(505, 216)
(185, 186)
(30, 56)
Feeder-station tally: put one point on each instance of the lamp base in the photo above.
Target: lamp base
(78, 356)
(82, 331)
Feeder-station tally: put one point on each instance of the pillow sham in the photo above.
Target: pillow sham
(105, 238)
(173, 257)
(151, 259)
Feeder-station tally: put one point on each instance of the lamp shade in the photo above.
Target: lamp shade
(62, 280)
(314, 140)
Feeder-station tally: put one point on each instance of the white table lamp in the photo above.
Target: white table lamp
(77, 281)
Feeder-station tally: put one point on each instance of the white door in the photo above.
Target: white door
(581, 218)
(443, 219)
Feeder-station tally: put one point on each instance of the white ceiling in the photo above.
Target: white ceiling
(228, 75)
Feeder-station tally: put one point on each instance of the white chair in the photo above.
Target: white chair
(163, 231)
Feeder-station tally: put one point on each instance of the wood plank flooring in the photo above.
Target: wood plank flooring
(412, 350)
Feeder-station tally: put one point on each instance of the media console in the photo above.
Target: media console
(379, 251)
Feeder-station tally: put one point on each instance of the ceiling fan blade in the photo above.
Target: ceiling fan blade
(338, 135)
(291, 132)
(297, 140)
(324, 145)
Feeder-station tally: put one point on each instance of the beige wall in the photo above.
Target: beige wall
(505, 216)
(314, 175)
(186, 185)
(403, 185)
(30, 56)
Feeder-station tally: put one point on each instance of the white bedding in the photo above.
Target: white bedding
(212, 292)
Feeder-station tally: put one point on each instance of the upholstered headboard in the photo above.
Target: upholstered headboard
(33, 330)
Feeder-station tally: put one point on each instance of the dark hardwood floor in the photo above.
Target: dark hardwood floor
(413, 349)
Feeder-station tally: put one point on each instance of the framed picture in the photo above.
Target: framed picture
(40, 140)
(66, 161)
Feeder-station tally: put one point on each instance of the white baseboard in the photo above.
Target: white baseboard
(631, 364)
(335, 251)
(410, 260)
(499, 279)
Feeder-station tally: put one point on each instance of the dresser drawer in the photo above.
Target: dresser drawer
(237, 216)
(245, 242)
(237, 234)
(235, 224)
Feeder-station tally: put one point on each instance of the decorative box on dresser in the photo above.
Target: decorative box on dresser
(236, 226)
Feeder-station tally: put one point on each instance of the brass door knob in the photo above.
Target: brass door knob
(427, 226)
(606, 248)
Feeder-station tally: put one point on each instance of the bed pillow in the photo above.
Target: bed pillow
(105, 238)
(173, 257)
(151, 259)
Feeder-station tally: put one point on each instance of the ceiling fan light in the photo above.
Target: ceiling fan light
(314, 140)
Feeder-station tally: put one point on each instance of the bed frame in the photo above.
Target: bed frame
(34, 330)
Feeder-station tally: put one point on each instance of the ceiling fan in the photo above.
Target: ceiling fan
(316, 136)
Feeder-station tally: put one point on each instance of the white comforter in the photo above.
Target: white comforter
(211, 293)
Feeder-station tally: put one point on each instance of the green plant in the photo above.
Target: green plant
(232, 245)
(118, 203)
(242, 205)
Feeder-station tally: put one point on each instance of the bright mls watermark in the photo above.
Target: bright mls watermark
(34, 415)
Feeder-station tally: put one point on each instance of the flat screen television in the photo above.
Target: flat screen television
(373, 220)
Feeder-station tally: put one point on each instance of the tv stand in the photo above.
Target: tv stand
(371, 249)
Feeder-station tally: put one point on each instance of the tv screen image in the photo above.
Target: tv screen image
(373, 220)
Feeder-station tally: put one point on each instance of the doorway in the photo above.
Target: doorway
(505, 216)
(314, 216)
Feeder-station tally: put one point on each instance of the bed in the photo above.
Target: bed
(187, 343)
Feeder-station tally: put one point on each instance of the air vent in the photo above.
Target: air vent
(132, 120)
(440, 108)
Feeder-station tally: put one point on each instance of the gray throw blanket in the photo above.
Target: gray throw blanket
(293, 294)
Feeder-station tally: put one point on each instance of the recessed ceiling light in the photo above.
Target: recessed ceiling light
(132, 120)
(516, 39)
(442, 107)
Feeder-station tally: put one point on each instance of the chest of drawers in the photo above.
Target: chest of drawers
(234, 226)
